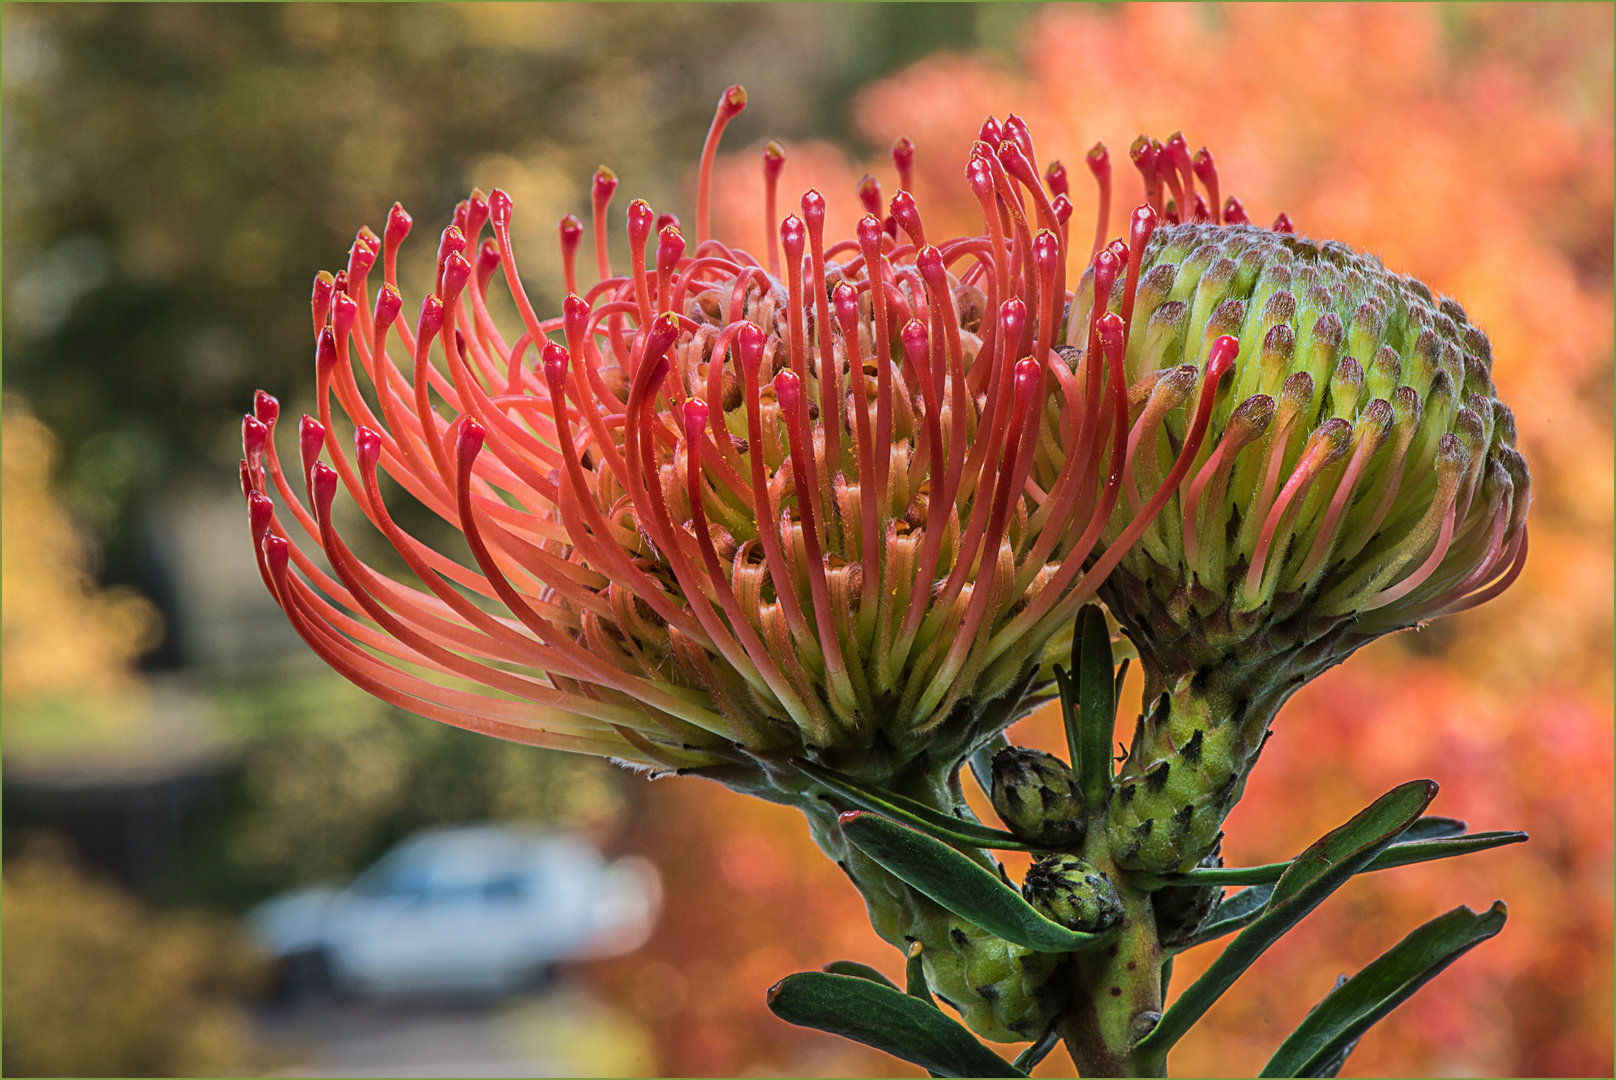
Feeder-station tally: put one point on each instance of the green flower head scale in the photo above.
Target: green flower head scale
(1359, 477)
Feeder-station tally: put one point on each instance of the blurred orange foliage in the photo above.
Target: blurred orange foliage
(1471, 147)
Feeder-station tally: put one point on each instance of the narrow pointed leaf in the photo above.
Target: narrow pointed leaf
(854, 969)
(1313, 875)
(886, 1019)
(1401, 852)
(916, 815)
(959, 884)
(1390, 979)
(1095, 692)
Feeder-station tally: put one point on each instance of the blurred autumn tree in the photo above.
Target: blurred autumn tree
(176, 173)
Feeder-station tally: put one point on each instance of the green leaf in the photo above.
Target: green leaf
(916, 815)
(959, 884)
(1093, 692)
(854, 969)
(886, 1019)
(1431, 827)
(1401, 852)
(1319, 1042)
(1313, 875)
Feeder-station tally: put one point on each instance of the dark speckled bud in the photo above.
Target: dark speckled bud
(1072, 892)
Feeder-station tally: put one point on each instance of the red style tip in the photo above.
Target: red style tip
(499, 208)
(869, 234)
(1282, 224)
(733, 102)
(602, 187)
(749, 342)
(990, 132)
(265, 407)
(1013, 320)
(275, 554)
(367, 446)
(1106, 268)
(487, 261)
(431, 320)
(344, 310)
(571, 231)
(916, 342)
(903, 157)
(310, 438)
(1046, 252)
(253, 436)
(399, 222)
(788, 391)
(1234, 212)
(360, 259)
(980, 176)
(574, 315)
(1221, 357)
(469, 442)
(452, 242)
(1141, 226)
(260, 512)
(1027, 372)
(1056, 180)
(664, 219)
(369, 239)
(929, 261)
(1178, 150)
(845, 297)
(456, 272)
(476, 213)
(869, 193)
(640, 218)
(1111, 331)
(907, 215)
(774, 160)
(1119, 249)
(555, 361)
(1206, 170)
(1098, 160)
(459, 220)
(695, 417)
(793, 237)
(320, 300)
(325, 353)
(670, 249)
(1062, 206)
(1143, 155)
(813, 209)
(664, 331)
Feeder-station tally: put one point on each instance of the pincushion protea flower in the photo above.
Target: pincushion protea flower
(833, 504)
(1360, 477)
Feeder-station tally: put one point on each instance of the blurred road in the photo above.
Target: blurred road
(560, 1033)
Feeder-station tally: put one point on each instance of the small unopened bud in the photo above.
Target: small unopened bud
(1037, 796)
(1073, 892)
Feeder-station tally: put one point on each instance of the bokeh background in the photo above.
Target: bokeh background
(174, 175)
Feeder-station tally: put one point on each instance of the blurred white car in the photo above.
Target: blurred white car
(472, 909)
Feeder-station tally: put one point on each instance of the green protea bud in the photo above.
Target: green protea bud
(1003, 991)
(1356, 476)
(1037, 796)
(1073, 892)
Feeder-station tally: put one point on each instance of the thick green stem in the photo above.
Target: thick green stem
(1115, 996)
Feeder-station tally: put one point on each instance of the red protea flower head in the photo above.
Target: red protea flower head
(835, 501)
